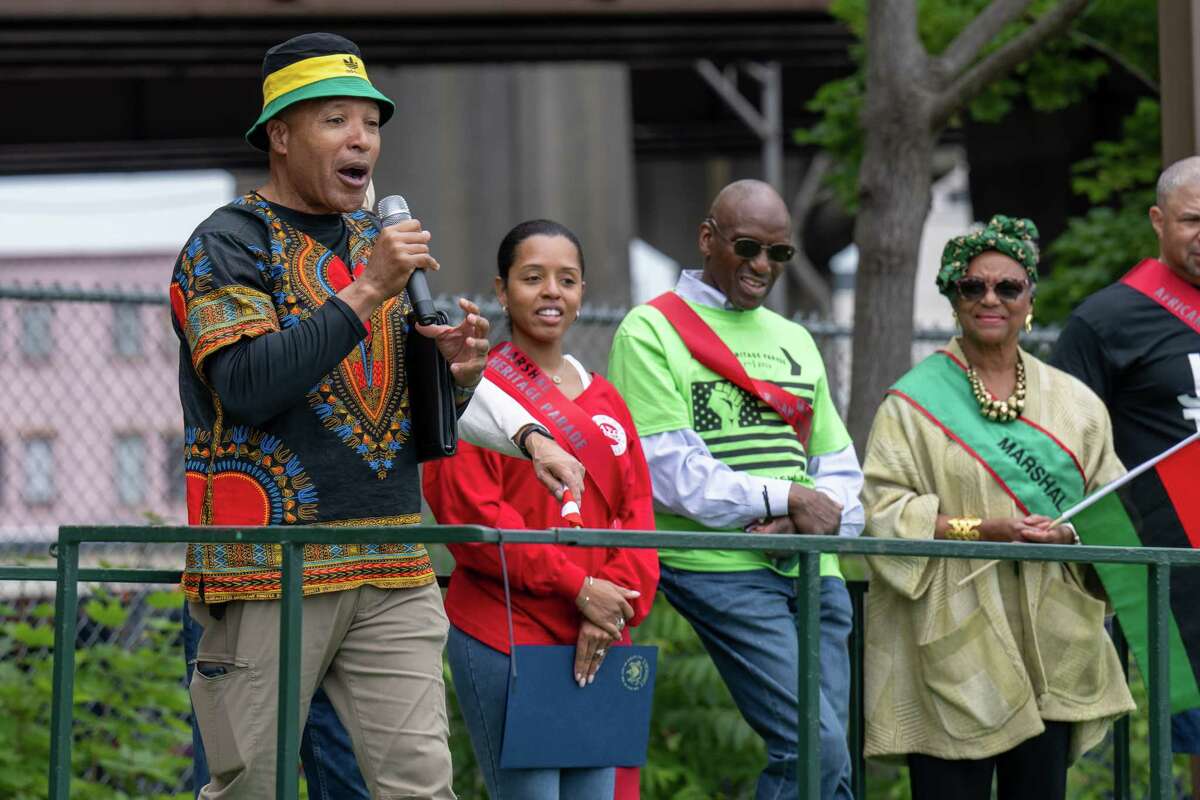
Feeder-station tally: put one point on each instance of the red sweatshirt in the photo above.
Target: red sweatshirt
(482, 487)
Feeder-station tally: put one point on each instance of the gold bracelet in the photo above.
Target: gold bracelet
(964, 528)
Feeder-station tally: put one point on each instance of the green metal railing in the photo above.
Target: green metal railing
(67, 575)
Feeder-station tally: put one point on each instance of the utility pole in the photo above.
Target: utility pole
(1178, 59)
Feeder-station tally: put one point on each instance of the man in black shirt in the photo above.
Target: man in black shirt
(1136, 343)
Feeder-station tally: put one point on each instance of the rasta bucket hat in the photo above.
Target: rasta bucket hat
(309, 66)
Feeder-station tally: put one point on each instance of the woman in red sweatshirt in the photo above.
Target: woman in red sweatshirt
(587, 597)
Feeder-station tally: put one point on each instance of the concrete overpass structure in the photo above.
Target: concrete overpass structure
(588, 111)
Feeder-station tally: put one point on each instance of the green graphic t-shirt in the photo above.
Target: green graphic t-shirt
(666, 389)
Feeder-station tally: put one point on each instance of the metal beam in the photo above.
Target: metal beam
(725, 85)
(767, 124)
(161, 95)
(766, 121)
(224, 46)
(66, 616)
(770, 77)
(67, 9)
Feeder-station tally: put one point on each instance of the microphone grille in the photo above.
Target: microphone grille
(393, 204)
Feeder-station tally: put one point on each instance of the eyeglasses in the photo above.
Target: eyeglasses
(973, 289)
(747, 248)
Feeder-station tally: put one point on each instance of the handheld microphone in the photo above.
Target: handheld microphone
(394, 209)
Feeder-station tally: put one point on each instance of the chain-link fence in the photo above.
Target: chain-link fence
(92, 434)
(92, 430)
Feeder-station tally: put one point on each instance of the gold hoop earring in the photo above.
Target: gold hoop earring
(1029, 323)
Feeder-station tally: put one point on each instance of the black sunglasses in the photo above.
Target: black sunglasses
(747, 248)
(972, 289)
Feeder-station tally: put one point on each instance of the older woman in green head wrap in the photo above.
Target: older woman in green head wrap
(973, 670)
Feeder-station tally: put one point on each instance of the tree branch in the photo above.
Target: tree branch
(968, 85)
(892, 38)
(1115, 57)
(971, 40)
(810, 188)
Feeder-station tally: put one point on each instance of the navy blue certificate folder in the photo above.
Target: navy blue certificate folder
(551, 722)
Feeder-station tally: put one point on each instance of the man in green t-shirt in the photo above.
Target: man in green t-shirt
(721, 460)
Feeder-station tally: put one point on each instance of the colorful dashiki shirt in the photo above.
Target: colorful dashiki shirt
(337, 456)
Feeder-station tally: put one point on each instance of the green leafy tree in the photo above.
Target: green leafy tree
(1098, 247)
(700, 747)
(130, 706)
(1054, 77)
(923, 66)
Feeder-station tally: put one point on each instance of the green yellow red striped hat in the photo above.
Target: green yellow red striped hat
(309, 66)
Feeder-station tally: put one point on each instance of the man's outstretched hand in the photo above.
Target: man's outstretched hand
(464, 345)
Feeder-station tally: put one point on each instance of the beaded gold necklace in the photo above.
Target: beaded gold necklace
(999, 410)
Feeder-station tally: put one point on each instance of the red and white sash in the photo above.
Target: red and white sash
(572, 426)
(1156, 280)
(707, 348)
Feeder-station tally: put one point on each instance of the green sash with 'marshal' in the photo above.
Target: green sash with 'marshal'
(1043, 477)
(1040, 475)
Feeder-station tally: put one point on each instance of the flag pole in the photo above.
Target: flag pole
(1097, 496)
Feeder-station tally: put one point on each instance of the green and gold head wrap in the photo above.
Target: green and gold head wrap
(1013, 236)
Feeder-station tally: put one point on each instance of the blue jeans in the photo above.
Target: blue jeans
(329, 765)
(746, 621)
(1185, 732)
(481, 685)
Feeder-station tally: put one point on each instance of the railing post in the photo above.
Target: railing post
(66, 613)
(1122, 786)
(808, 632)
(1159, 677)
(857, 733)
(287, 778)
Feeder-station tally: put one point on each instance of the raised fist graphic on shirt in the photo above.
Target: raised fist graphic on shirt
(727, 401)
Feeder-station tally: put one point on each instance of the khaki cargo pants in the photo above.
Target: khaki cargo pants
(378, 655)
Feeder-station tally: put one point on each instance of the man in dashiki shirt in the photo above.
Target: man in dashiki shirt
(290, 308)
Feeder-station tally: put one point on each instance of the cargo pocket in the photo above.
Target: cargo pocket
(227, 701)
(975, 686)
(1071, 640)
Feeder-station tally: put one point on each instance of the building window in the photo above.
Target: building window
(37, 330)
(173, 467)
(130, 469)
(127, 330)
(39, 471)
